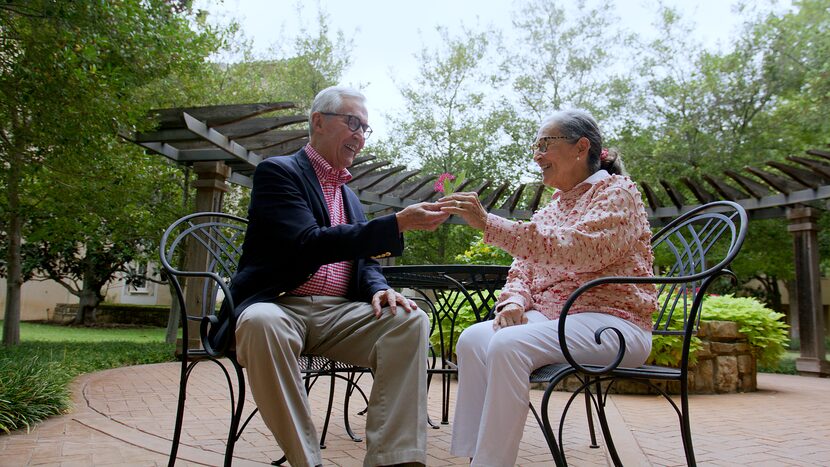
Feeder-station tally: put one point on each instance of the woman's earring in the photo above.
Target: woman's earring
(577, 157)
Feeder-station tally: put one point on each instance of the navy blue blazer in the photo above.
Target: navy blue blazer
(289, 237)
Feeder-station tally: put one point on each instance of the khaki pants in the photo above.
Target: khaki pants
(494, 371)
(270, 338)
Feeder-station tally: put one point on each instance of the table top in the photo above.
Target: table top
(468, 276)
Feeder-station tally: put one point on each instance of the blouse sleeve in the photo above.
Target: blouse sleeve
(607, 228)
(517, 287)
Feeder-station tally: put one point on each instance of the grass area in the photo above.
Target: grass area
(35, 375)
(57, 333)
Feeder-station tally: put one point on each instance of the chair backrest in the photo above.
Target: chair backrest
(690, 253)
(200, 253)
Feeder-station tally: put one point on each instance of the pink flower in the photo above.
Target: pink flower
(439, 184)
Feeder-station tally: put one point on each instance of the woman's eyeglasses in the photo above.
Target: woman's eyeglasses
(541, 144)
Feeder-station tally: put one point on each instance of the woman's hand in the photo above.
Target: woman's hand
(510, 315)
(467, 206)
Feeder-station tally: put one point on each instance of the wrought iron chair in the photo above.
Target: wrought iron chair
(442, 291)
(213, 241)
(700, 246)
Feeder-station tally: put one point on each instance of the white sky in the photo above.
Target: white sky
(387, 33)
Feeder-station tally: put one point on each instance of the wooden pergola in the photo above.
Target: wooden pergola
(225, 143)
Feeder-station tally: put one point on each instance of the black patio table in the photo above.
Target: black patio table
(451, 294)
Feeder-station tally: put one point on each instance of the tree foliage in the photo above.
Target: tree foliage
(451, 124)
(673, 107)
(564, 56)
(760, 99)
(68, 71)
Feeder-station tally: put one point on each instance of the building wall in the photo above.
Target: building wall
(38, 298)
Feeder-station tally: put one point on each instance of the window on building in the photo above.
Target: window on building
(136, 281)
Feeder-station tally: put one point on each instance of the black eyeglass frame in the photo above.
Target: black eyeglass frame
(353, 122)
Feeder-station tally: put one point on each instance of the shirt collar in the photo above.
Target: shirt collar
(325, 173)
(584, 185)
(597, 177)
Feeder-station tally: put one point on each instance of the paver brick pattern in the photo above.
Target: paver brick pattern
(126, 416)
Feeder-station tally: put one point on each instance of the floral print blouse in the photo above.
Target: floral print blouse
(596, 229)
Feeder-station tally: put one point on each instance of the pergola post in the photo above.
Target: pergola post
(211, 185)
(804, 228)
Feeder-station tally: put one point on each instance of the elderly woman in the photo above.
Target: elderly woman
(594, 226)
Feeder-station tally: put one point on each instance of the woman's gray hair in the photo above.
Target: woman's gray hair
(331, 99)
(575, 124)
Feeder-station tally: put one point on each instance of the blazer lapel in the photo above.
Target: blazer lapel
(314, 183)
(351, 218)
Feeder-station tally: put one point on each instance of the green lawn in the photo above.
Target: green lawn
(57, 333)
(34, 375)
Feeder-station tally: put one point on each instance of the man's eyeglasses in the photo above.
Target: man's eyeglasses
(354, 123)
(541, 144)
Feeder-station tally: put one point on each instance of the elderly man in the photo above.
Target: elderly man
(308, 283)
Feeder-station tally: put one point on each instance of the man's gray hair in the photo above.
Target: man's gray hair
(331, 99)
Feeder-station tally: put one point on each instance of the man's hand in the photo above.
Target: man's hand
(392, 299)
(420, 216)
(510, 315)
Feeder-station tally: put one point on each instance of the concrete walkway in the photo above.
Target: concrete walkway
(125, 417)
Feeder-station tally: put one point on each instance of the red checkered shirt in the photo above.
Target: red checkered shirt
(331, 279)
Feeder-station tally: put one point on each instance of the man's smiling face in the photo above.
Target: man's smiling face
(333, 138)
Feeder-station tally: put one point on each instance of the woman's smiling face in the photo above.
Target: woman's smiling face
(564, 164)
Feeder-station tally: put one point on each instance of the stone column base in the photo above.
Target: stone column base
(812, 367)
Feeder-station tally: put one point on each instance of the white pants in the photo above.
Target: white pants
(494, 370)
(270, 339)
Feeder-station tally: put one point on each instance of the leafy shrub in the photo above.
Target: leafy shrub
(795, 343)
(31, 390)
(35, 375)
(765, 330)
(482, 253)
(668, 350)
(785, 366)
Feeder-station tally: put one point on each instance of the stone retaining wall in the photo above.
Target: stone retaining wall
(115, 313)
(725, 364)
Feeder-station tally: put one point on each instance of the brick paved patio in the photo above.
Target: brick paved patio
(125, 417)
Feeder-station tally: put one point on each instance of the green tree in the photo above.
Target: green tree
(756, 101)
(767, 257)
(106, 217)
(451, 123)
(294, 70)
(664, 137)
(67, 72)
(760, 99)
(565, 56)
